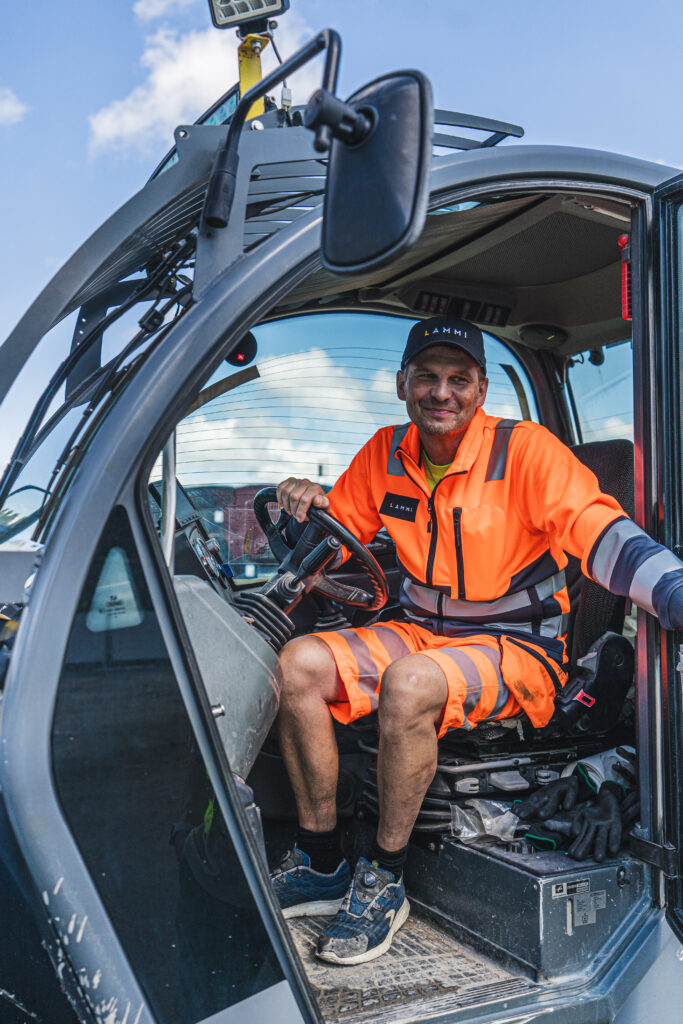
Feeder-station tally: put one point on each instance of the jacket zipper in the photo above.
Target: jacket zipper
(433, 531)
(432, 525)
(539, 657)
(457, 516)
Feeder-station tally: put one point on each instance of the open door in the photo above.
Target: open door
(668, 277)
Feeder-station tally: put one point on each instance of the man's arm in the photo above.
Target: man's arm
(562, 497)
(628, 562)
(350, 501)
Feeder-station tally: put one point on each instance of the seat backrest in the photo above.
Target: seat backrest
(594, 610)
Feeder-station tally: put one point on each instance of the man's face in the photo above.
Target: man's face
(442, 388)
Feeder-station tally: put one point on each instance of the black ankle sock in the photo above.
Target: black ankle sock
(389, 860)
(324, 848)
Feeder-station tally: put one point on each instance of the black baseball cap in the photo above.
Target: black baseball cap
(445, 330)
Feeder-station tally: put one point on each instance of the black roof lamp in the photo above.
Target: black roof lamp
(226, 13)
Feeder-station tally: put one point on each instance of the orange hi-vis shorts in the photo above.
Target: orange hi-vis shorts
(488, 677)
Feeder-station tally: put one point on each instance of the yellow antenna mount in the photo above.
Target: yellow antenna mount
(249, 60)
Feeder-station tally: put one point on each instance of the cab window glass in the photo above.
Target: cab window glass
(602, 386)
(135, 793)
(320, 386)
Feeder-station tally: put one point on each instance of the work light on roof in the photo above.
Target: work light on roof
(238, 12)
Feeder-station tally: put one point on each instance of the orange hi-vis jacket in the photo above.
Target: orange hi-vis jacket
(485, 551)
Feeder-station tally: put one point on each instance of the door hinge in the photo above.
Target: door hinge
(661, 856)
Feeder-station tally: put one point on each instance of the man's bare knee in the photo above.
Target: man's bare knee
(413, 689)
(309, 671)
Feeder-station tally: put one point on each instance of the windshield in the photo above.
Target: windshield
(320, 386)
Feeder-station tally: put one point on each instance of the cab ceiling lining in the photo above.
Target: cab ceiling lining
(543, 258)
(560, 247)
(442, 232)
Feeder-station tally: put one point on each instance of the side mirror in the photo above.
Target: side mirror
(378, 187)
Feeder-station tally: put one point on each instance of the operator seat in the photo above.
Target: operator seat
(601, 663)
(594, 611)
(596, 616)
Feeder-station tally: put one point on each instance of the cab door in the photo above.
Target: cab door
(666, 362)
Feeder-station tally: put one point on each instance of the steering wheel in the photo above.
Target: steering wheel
(322, 524)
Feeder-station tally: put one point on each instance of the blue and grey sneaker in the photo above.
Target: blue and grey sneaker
(374, 909)
(303, 892)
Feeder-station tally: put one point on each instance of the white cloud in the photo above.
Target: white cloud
(12, 110)
(186, 72)
(148, 10)
(285, 424)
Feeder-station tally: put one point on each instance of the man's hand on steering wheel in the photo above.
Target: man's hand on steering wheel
(303, 561)
(296, 497)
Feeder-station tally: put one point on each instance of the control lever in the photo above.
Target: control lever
(319, 557)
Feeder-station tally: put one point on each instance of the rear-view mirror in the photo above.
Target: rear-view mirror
(377, 189)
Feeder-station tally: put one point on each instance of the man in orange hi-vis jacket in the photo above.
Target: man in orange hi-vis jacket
(482, 511)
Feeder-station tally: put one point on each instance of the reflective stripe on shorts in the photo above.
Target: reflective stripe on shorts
(471, 665)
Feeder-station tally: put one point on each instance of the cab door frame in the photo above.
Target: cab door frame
(665, 271)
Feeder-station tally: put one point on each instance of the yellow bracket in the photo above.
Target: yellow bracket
(249, 60)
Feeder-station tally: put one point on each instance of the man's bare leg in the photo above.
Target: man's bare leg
(411, 705)
(306, 731)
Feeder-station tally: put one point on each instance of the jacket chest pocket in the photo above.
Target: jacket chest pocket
(478, 568)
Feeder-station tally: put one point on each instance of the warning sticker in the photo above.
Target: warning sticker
(586, 905)
(561, 890)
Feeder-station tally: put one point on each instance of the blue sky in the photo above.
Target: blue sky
(90, 92)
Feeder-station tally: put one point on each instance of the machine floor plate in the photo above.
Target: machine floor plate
(425, 972)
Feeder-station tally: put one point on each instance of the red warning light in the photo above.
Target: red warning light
(240, 357)
(624, 243)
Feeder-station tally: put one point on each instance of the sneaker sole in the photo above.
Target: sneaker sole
(370, 954)
(314, 908)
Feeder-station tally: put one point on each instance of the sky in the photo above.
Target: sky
(90, 94)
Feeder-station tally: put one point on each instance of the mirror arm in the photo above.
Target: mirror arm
(328, 116)
(221, 189)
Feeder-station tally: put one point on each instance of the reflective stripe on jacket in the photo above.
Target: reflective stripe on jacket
(486, 549)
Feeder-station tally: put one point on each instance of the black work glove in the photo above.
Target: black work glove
(630, 808)
(541, 837)
(545, 802)
(598, 829)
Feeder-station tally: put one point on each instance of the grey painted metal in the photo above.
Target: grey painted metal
(538, 920)
(136, 427)
(484, 124)
(559, 162)
(138, 424)
(218, 248)
(239, 670)
(659, 993)
(18, 559)
(273, 1004)
(169, 497)
(174, 199)
(164, 210)
(119, 247)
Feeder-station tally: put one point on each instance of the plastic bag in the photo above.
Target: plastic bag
(478, 818)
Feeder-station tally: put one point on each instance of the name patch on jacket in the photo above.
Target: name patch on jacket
(400, 507)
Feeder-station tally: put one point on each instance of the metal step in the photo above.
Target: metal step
(425, 972)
